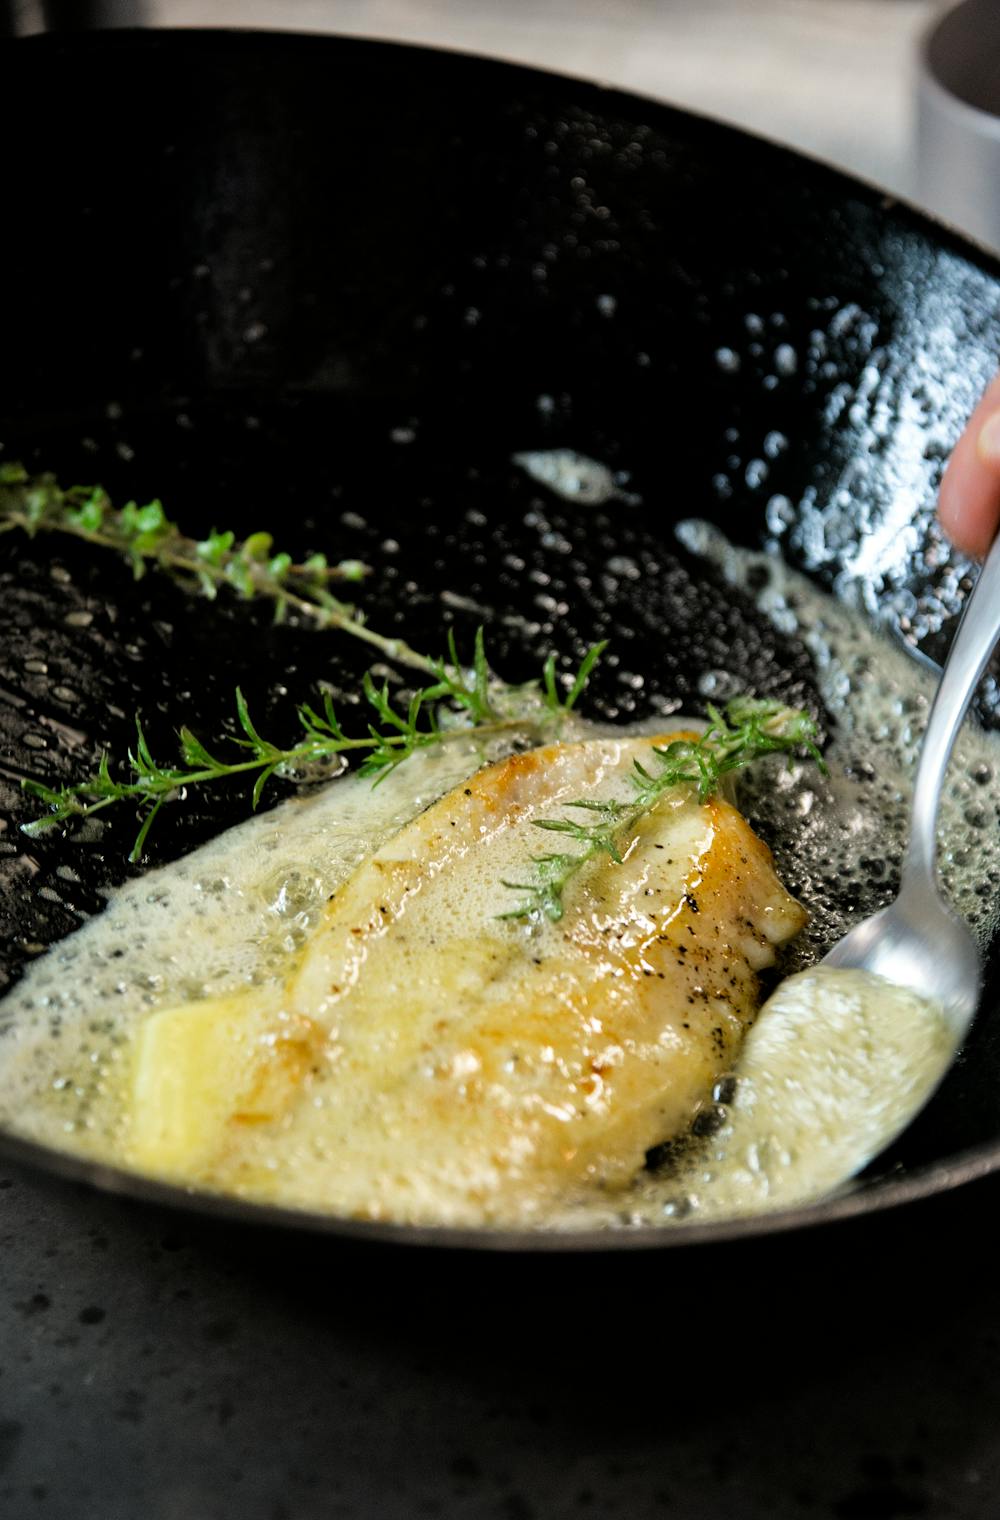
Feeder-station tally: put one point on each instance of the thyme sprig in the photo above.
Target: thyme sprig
(250, 567)
(748, 729)
(462, 702)
(458, 699)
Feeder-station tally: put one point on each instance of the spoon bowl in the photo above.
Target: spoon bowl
(918, 942)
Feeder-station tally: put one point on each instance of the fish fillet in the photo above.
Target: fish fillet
(429, 1061)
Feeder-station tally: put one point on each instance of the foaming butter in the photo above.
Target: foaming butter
(835, 1065)
(426, 1055)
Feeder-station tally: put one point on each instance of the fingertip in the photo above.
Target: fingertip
(988, 442)
(968, 509)
(951, 516)
(969, 496)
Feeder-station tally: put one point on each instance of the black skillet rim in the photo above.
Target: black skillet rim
(876, 1197)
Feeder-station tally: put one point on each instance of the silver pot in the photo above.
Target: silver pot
(958, 119)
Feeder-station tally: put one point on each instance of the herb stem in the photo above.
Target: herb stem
(145, 535)
(460, 702)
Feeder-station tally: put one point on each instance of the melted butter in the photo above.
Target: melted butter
(452, 1066)
(832, 1070)
(232, 915)
(839, 839)
(835, 1067)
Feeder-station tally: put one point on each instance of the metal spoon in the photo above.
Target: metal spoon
(917, 941)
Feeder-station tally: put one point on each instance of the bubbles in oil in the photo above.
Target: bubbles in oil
(835, 1066)
(227, 916)
(570, 475)
(839, 839)
(233, 913)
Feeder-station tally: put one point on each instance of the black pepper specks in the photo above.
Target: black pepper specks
(708, 1121)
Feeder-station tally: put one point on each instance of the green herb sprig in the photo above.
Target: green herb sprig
(748, 729)
(462, 702)
(457, 700)
(250, 567)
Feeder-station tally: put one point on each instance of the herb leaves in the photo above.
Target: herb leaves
(251, 568)
(460, 703)
(748, 729)
(456, 699)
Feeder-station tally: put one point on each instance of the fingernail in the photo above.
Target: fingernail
(988, 443)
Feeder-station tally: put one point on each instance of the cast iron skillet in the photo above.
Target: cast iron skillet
(329, 288)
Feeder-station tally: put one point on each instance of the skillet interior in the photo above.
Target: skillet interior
(235, 264)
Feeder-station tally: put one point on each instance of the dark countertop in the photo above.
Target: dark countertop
(159, 1366)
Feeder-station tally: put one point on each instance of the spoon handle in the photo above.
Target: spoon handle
(975, 639)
